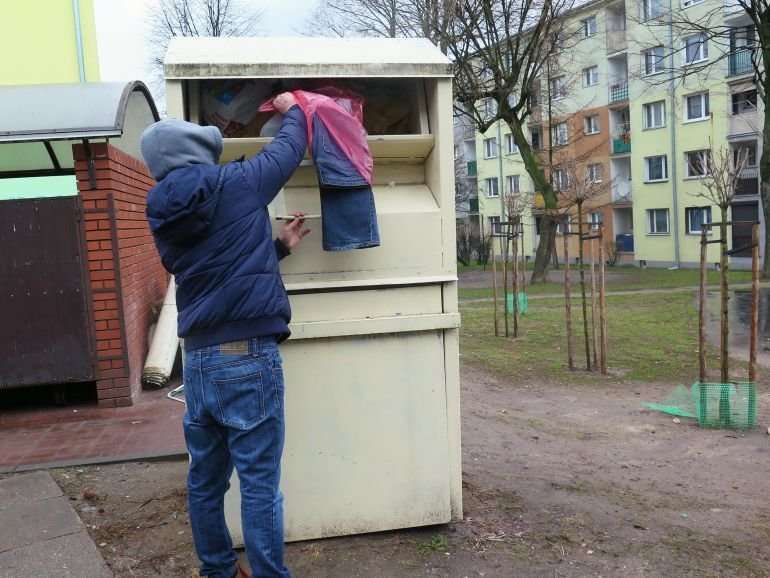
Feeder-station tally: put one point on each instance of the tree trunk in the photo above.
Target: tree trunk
(583, 285)
(725, 298)
(764, 162)
(548, 223)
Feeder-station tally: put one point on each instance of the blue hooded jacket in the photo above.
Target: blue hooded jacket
(213, 232)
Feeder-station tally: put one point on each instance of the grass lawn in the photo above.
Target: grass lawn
(651, 336)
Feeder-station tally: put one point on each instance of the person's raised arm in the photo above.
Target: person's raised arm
(269, 170)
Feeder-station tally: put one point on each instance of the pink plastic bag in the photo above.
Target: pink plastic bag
(341, 111)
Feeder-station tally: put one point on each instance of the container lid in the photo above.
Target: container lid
(274, 57)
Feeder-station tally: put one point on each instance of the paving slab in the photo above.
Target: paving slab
(62, 557)
(40, 532)
(26, 489)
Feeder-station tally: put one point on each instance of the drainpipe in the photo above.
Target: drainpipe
(79, 40)
(672, 168)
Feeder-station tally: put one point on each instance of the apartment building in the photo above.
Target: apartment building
(617, 101)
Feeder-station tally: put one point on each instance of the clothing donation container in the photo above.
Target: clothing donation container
(371, 368)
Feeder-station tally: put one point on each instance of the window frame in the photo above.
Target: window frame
(702, 53)
(649, 106)
(587, 123)
(513, 180)
(664, 167)
(557, 131)
(753, 153)
(746, 110)
(490, 144)
(646, 7)
(592, 168)
(652, 63)
(495, 225)
(651, 221)
(511, 147)
(558, 89)
(487, 183)
(688, 163)
(560, 179)
(704, 103)
(590, 76)
(586, 28)
(595, 218)
(688, 219)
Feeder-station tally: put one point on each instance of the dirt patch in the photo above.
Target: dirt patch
(558, 480)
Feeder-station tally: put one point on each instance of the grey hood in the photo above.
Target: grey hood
(173, 144)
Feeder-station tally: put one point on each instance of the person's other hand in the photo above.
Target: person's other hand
(292, 232)
(283, 102)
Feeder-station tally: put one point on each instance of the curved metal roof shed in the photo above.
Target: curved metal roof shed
(39, 123)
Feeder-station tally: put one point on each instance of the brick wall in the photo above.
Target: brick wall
(126, 276)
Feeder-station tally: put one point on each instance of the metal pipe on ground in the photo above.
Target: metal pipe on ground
(164, 345)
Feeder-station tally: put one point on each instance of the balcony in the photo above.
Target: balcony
(472, 169)
(748, 183)
(740, 62)
(616, 41)
(621, 139)
(619, 91)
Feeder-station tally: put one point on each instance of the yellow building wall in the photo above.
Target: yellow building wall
(39, 42)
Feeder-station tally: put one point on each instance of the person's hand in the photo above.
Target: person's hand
(283, 102)
(292, 232)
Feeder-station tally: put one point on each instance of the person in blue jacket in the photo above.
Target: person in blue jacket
(212, 230)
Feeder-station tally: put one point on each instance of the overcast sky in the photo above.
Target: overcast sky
(120, 31)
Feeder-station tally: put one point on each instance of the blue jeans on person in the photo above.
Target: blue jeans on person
(234, 395)
(349, 217)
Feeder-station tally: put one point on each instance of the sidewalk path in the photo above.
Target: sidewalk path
(40, 533)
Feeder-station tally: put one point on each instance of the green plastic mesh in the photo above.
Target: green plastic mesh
(726, 405)
(523, 303)
(679, 402)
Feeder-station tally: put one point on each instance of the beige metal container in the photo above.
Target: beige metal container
(371, 368)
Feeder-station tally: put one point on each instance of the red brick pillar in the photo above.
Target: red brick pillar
(125, 272)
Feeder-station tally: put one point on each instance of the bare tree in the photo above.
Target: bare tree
(710, 37)
(719, 172)
(196, 18)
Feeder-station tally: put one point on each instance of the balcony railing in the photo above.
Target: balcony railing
(616, 41)
(621, 138)
(748, 183)
(740, 62)
(619, 91)
(472, 169)
(625, 243)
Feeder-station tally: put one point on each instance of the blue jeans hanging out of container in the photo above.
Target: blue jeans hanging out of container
(349, 217)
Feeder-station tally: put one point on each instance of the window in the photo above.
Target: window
(489, 108)
(534, 139)
(595, 219)
(688, 3)
(653, 60)
(557, 88)
(594, 173)
(748, 151)
(490, 148)
(697, 163)
(744, 102)
(589, 26)
(491, 188)
(457, 152)
(563, 225)
(657, 221)
(512, 184)
(655, 168)
(697, 106)
(591, 76)
(510, 145)
(559, 134)
(591, 124)
(654, 114)
(697, 216)
(696, 48)
(558, 40)
(652, 9)
(532, 100)
(560, 179)
(494, 225)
